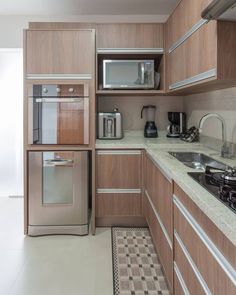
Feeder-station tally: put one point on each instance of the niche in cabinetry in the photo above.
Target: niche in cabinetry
(125, 69)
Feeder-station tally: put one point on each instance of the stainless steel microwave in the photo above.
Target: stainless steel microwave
(128, 74)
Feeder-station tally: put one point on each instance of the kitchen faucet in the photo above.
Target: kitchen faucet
(224, 149)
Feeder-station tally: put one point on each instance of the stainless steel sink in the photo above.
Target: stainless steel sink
(197, 160)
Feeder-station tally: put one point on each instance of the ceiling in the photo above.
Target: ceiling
(87, 7)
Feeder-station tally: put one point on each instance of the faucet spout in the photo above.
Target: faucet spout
(224, 149)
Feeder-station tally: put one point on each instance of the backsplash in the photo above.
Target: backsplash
(130, 107)
(222, 102)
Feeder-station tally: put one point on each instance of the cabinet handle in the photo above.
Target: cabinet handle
(219, 257)
(193, 79)
(184, 37)
(59, 76)
(118, 191)
(181, 280)
(130, 50)
(119, 152)
(192, 264)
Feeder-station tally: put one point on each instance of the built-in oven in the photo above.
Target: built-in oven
(58, 192)
(128, 74)
(58, 114)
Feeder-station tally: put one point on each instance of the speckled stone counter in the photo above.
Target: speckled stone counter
(158, 149)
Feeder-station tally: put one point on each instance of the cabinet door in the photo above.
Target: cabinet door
(160, 241)
(197, 55)
(130, 36)
(209, 271)
(118, 183)
(159, 189)
(60, 52)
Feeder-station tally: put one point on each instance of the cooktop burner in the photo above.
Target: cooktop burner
(222, 184)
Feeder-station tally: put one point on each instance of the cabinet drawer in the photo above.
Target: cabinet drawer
(60, 52)
(160, 239)
(212, 231)
(215, 270)
(159, 189)
(115, 204)
(187, 271)
(119, 169)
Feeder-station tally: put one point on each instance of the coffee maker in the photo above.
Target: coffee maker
(150, 129)
(177, 124)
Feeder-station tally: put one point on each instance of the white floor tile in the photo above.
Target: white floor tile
(60, 265)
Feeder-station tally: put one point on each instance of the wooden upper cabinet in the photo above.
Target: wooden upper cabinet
(130, 36)
(197, 57)
(184, 17)
(60, 51)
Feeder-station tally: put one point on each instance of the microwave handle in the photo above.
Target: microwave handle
(142, 73)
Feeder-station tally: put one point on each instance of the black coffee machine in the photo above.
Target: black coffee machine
(150, 129)
(177, 124)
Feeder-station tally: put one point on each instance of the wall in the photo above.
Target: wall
(11, 27)
(222, 102)
(130, 107)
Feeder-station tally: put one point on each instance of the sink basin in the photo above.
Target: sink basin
(197, 161)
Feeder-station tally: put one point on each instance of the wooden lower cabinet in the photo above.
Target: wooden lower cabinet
(160, 240)
(113, 204)
(119, 187)
(204, 268)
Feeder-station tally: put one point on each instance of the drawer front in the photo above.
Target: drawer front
(115, 204)
(187, 270)
(159, 189)
(160, 239)
(212, 231)
(119, 169)
(214, 269)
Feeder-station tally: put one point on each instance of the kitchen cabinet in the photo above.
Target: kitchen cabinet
(55, 52)
(157, 208)
(130, 36)
(119, 185)
(204, 259)
(199, 54)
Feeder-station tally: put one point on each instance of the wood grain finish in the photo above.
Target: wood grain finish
(196, 55)
(132, 221)
(187, 272)
(186, 15)
(61, 26)
(226, 32)
(159, 189)
(212, 273)
(118, 205)
(161, 244)
(218, 238)
(178, 290)
(59, 52)
(119, 171)
(130, 36)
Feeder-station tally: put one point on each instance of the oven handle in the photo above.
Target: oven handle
(47, 100)
(63, 162)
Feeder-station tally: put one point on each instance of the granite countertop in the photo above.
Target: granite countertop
(158, 149)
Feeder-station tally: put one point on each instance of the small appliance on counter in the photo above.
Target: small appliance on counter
(150, 129)
(177, 124)
(110, 125)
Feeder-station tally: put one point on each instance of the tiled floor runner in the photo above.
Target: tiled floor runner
(136, 268)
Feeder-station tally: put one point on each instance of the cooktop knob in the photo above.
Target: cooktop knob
(58, 90)
(45, 90)
(71, 90)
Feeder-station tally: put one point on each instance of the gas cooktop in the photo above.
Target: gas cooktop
(221, 184)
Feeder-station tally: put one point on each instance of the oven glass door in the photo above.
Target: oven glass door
(58, 119)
